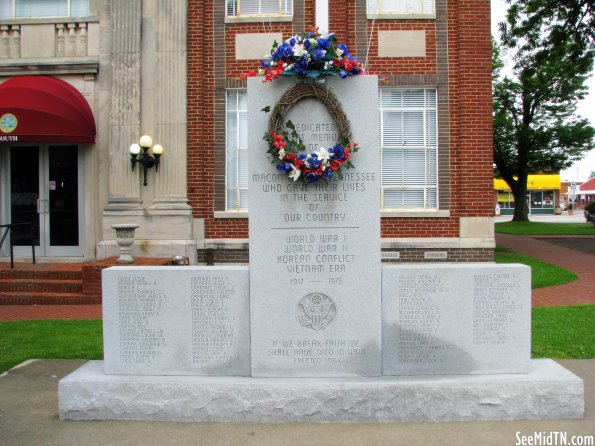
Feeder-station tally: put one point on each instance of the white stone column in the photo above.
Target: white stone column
(125, 103)
(170, 80)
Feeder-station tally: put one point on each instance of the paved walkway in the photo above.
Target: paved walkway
(38, 312)
(581, 291)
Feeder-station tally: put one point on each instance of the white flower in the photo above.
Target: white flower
(339, 52)
(295, 173)
(281, 154)
(299, 50)
(323, 154)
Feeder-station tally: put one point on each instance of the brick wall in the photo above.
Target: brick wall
(457, 63)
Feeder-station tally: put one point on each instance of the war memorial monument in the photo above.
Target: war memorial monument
(316, 329)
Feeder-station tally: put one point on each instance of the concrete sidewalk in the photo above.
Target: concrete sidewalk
(29, 416)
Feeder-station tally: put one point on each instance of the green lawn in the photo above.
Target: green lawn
(564, 332)
(537, 228)
(542, 274)
(24, 340)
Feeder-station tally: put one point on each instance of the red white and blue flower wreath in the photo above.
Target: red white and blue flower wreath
(308, 57)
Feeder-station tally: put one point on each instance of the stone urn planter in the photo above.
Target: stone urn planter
(125, 239)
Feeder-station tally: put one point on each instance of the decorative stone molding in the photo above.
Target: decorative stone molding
(10, 41)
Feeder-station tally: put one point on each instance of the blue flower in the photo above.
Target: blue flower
(327, 173)
(314, 162)
(307, 44)
(284, 167)
(301, 66)
(302, 156)
(342, 74)
(323, 43)
(287, 51)
(343, 48)
(292, 41)
(312, 177)
(319, 54)
(278, 53)
(337, 153)
(265, 64)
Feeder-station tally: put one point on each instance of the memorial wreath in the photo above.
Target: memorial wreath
(308, 57)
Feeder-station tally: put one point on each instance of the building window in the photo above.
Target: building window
(236, 154)
(259, 7)
(542, 199)
(401, 7)
(17, 9)
(408, 149)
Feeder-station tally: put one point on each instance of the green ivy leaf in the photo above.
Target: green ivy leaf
(266, 109)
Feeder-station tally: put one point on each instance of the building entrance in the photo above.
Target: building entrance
(44, 186)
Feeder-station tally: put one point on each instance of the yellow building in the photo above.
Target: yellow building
(543, 194)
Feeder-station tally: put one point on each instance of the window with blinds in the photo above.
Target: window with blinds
(236, 155)
(401, 7)
(15, 9)
(408, 149)
(259, 7)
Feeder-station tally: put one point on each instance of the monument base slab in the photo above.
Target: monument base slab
(549, 391)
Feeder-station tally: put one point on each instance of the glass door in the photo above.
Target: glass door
(46, 190)
(24, 197)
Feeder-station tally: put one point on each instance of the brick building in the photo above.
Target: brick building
(169, 68)
(434, 63)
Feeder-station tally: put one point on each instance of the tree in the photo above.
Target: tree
(535, 126)
(548, 25)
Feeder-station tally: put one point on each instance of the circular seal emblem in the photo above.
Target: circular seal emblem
(316, 311)
(8, 122)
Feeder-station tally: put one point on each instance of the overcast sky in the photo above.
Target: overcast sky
(581, 170)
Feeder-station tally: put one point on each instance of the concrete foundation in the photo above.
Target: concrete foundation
(549, 391)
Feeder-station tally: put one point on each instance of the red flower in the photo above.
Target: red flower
(248, 74)
(335, 165)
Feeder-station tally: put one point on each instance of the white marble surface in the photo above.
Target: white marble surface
(456, 318)
(176, 320)
(548, 392)
(315, 249)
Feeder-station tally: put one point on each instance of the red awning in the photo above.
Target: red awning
(44, 109)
